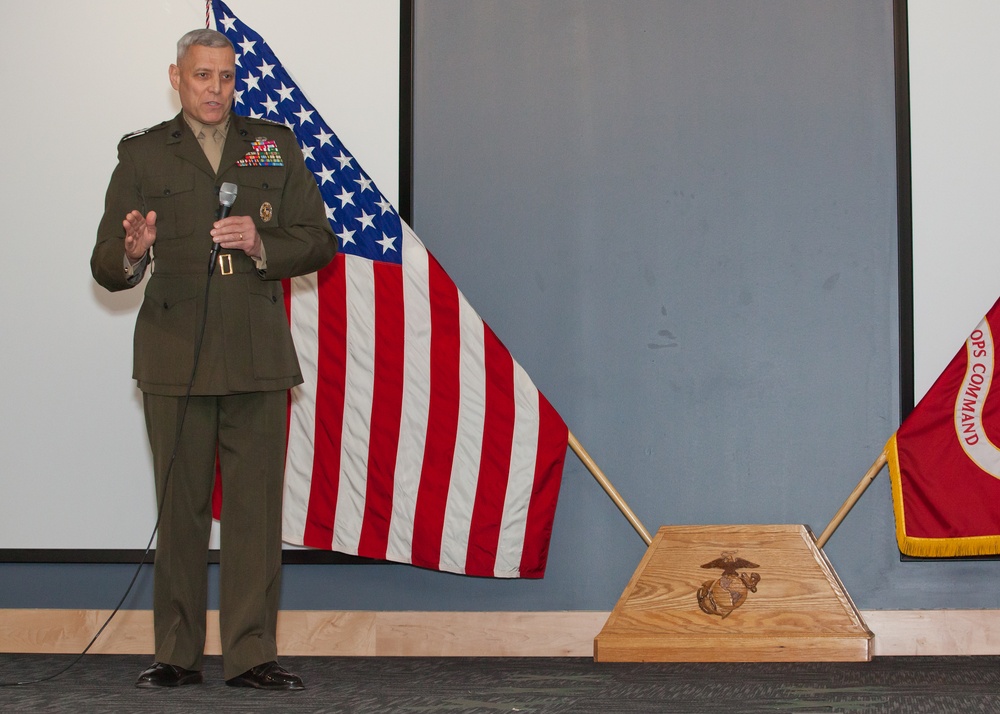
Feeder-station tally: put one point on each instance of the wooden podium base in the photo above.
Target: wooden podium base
(736, 593)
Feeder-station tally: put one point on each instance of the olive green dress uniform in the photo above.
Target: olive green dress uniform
(246, 364)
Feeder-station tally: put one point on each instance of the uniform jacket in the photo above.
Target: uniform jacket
(247, 344)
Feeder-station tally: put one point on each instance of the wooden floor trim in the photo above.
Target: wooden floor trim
(458, 634)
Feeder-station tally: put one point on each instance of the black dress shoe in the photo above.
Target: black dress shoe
(269, 675)
(159, 674)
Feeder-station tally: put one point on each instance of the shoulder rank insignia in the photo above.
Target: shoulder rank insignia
(265, 122)
(140, 132)
(264, 152)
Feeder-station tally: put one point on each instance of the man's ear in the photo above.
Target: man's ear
(175, 76)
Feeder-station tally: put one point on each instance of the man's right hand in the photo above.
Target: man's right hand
(140, 233)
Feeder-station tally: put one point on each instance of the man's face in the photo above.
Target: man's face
(205, 81)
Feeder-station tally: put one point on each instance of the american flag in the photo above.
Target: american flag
(416, 437)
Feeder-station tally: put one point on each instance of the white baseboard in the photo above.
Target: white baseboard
(458, 634)
(934, 632)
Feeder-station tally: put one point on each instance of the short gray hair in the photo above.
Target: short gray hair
(204, 38)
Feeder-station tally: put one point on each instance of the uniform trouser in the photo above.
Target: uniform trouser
(249, 430)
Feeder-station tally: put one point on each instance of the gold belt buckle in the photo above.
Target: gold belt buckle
(226, 264)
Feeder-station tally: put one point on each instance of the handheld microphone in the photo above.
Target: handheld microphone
(227, 197)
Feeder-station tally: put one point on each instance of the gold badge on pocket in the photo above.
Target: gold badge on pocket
(266, 211)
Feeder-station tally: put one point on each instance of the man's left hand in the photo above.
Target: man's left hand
(237, 233)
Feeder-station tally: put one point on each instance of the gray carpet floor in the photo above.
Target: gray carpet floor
(931, 685)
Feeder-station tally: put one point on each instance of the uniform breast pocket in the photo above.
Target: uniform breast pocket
(260, 195)
(172, 197)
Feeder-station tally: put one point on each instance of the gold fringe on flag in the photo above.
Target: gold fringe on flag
(930, 547)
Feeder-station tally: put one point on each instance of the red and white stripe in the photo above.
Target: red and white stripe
(416, 437)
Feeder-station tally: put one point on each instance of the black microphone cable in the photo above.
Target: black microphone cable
(166, 480)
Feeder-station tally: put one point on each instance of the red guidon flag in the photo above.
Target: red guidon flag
(944, 462)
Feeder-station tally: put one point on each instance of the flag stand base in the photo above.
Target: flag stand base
(734, 593)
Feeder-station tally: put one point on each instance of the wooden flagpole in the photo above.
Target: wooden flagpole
(856, 494)
(609, 488)
(629, 514)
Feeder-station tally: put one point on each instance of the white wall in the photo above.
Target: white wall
(74, 464)
(955, 127)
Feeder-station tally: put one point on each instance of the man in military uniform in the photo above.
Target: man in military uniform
(162, 210)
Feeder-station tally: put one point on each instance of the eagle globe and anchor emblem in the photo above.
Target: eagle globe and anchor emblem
(729, 591)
